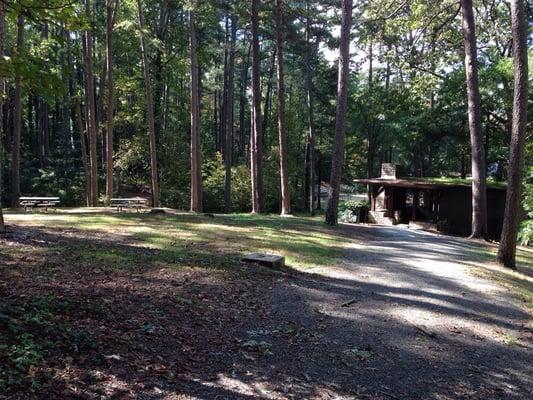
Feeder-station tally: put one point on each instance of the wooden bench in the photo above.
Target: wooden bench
(43, 202)
(133, 202)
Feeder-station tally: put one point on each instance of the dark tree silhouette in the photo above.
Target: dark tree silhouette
(507, 249)
(340, 118)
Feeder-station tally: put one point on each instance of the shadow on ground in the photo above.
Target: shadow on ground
(177, 323)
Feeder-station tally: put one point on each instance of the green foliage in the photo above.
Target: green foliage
(213, 186)
(350, 211)
(29, 331)
(354, 205)
(347, 215)
(413, 111)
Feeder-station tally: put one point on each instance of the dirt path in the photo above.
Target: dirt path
(399, 318)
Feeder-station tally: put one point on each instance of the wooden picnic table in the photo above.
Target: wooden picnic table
(39, 202)
(134, 202)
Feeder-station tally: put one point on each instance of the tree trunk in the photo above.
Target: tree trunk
(2, 94)
(370, 147)
(224, 102)
(215, 119)
(319, 182)
(340, 118)
(44, 156)
(149, 109)
(31, 120)
(83, 146)
(101, 119)
(268, 96)
(111, 7)
(487, 140)
(17, 122)
(91, 107)
(76, 117)
(479, 188)
(463, 165)
(66, 109)
(282, 130)
(161, 34)
(310, 149)
(196, 166)
(229, 117)
(42, 119)
(166, 98)
(256, 147)
(242, 101)
(507, 249)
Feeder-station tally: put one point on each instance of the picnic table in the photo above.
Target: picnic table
(39, 202)
(133, 202)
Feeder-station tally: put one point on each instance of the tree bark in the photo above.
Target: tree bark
(310, 148)
(31, 120)
(463, 165)
(370, 147)
(340, 118)
(83, 147)
(91, 107)
(17, 122)
(224, 102)
(42, 122)
(196, 167)
(111, 7)
(268, 96)
(149, 109)
(256, 147)
(46, 117)
(479, 186)
(282, 130)
(101, 120)
(215, 119)
(242, 101)
(2, 94)
(161, 34)
(228, 156)
(75, 114)
(507, 249)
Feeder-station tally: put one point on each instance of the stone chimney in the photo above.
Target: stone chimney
(391, 171)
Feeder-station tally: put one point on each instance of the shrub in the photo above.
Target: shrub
(354, 205)
(347, 215)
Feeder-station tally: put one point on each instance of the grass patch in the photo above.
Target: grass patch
(193, 240)
(519, 281)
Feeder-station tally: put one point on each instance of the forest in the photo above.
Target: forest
(98, 98)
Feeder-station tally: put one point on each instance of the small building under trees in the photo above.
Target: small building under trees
(443, 204)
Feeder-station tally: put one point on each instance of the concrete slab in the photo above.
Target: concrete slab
(268, 260)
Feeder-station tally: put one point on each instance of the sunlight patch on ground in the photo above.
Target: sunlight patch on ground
(305, 243)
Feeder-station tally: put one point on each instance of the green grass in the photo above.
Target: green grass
(123, 240)
(519, 281)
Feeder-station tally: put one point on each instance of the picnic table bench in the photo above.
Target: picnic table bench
(133, 202)
(39, 202)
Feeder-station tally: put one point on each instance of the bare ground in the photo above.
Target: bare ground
(400, 316)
